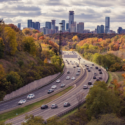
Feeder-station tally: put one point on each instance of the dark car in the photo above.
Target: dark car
(97, 79)
(89, 83)
(50, 91)
(89, 70)
(68, 72)
(99, 69)
(100, 72)
(66, 104)
(94, 77)
(77, 65)
(95, 74)
(44, 106)
(92, 64)
(96, 67)
(53, 106)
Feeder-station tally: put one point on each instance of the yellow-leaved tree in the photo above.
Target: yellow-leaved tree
(75, 38)
(2, 73)
(10, 42)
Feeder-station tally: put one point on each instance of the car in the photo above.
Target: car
(62, 85)
(89, 70)
(92, 64)
(78, 70)
(74, 67)
(95, 74)
(66, 104)
(99, 69)
(50, 91)
(54, 87)
(77, 65)
(73, 78)
(89, 83)
(97, 79)
(44, 106)
(96, 67)
(94, 77)
(100, 72)
(58, 80)
(100, 77)
(77, 74)
(53, 106)
(68, 72)
(30, 96)
(22, 101)
(85, 87)
(68, 77)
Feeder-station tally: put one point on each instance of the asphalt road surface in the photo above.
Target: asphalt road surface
(71, 95)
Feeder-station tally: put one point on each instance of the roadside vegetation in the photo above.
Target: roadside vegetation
(25, 56)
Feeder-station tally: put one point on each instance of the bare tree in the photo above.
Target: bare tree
(80, 98)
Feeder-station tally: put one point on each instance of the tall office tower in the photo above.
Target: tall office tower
(80, 27)
(119, 30)
(37, 25)
(73, 27)
(48, 25)
(71, 19)
(29, 24)
(67, 26)
(98, 29)
(34, 25)
(19, 26)
(53, 25)
(63, 24)
(107, 24)
(56, 28)
(102, 28)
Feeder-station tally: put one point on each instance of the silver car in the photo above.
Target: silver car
(68, 77)
(30, 96)
(73, 78)
(22, 101)
(53, 106)
(58, 80)
(54, 87)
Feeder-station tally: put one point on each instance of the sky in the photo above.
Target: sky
(91, 12)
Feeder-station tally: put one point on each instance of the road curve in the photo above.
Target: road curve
(69, 96)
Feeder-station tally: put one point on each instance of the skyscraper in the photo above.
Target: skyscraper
(119, 30)
(29, 23)
(67, 26)
(98, 29)
(71, 19)
(37, 25)
(53, 25)
(56, 28)
(63, 24)
(19, 26)
(73, 27)
(107, 24)
(48, 25)
(80, 27)
(34, 25)
(102, 28)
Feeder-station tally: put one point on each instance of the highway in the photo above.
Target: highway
(71, 95)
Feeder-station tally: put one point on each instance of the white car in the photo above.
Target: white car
(62, 85)
(22, 101)
(54, 87)
(85, 87)
(68, 77)
(58, 80)
(30, 96)
(73, 78)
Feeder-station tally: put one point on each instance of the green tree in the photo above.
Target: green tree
(101, 100)
(29, 45)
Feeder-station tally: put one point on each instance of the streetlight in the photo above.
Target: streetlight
(60, 54)
(79, 60)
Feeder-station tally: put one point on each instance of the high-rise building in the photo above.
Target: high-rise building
(48, 25)
(98, 29)
(63, 25)
(107, 24)
(71, 19)
(80, 27)
(29, 23)
(73, 27)
(34, 25)
(56, 28)
(102, 28)
(19, 26)
(67, 26)
(53, 25)
(119, 30)
(37, 25)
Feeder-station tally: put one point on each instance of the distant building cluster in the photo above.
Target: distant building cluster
(71, 26)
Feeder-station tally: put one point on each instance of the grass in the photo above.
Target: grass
(20, 111)
(119, 74)
(110, 78)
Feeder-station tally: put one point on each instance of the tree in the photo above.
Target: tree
(101, 100)
(2, 74)
(45, 61)
(10, 42)
(2, 47)
(29, 45)
(75, 38)
(14, 27)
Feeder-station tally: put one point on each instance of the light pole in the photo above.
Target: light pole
(60, 53)
(79, 60)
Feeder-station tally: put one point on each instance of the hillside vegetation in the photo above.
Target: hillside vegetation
(23, 57)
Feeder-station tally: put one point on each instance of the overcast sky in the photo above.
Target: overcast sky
(91, 12)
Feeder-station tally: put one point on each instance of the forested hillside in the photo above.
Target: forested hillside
(23, 57)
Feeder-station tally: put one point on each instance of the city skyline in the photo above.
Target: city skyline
(92, 14)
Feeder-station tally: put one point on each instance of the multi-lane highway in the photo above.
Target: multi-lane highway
(70, 96)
